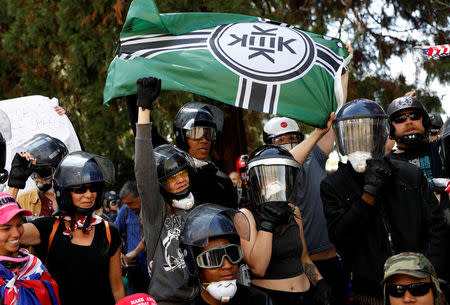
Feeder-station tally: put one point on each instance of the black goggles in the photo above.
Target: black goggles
(213, 257)
(416, 289)
(82, 188)
(196, 133)
(414, 116)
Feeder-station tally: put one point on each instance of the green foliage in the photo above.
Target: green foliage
(63, 48)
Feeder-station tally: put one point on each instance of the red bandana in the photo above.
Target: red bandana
(79, 224)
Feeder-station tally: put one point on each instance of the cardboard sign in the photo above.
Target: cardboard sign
(31, 115)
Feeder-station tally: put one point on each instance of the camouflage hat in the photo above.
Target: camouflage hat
(415, 265)
(409, 263)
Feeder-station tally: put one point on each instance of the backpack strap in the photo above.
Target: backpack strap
(50, 238)
(52, 234)
(108, 232)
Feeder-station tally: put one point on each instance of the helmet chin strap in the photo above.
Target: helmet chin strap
(84, 212)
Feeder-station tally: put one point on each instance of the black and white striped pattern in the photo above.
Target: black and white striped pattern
(149, 46)
(257, 96)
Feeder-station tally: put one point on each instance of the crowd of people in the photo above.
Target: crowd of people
(278, 230)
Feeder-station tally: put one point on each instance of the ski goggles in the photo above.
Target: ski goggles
(213, 258)
(414, 116)
(82, 188)
(196, 133)
(416, 289)
(182, 174)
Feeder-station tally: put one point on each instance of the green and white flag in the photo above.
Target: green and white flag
(249, 62)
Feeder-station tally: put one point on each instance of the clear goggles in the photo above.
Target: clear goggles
(196, 133)
(213, 257)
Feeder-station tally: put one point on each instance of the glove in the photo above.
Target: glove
(322, 293)
(21, 169)
(273, 214)
(377, 171)
(148, 90)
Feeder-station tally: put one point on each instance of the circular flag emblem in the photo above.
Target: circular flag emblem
(283, 124)
(262, 51)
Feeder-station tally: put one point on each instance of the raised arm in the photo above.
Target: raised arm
(302, 150)
(152, 204)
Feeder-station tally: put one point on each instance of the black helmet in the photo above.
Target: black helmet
(407, 103)
(109, 197)
(169, 161)
(361, 131)
(48, 152)
(445, 144)
(207, 222)
(272, 175)
(80, 168)
(5, 135)
(279, 126)
(435, 120)
(195, 114)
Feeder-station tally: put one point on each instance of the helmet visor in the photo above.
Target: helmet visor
(209, 221)
(194, 112)
(276, 182)
(365, 135)
(47, 151)
(81, 167)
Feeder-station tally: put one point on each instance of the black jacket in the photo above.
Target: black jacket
(405, 207)
(210, 185)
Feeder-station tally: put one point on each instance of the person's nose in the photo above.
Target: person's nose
(15, 233)
(226, 264)
(408, 298)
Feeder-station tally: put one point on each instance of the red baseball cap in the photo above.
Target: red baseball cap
(137, 299)
(10, 208)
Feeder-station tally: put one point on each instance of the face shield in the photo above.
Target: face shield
(273, 180)
(81, 167)
(199, 114)
(361, 139)
(209, 221)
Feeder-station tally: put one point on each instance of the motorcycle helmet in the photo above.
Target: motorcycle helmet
(361, 132)
(79, 168)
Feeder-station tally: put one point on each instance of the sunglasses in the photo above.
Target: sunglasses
(213, 258)
(414, 116)
(196, 133)
(182, 174)
(416, 289)
(81, 189)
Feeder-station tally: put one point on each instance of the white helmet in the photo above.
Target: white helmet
(279, 126)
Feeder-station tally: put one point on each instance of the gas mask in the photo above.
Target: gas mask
(222, 291)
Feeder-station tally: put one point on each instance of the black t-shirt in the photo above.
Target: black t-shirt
(82, 272)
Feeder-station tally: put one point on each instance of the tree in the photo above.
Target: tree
(63, 48)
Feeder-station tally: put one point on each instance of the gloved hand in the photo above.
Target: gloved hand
(322, 293)
(21, 169)
(273, 214)
(375, 175)
(148, 89)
